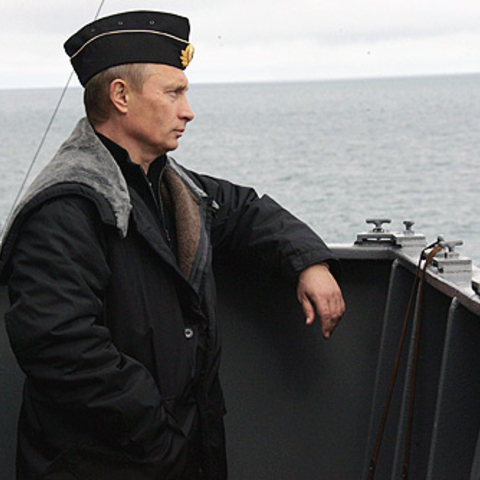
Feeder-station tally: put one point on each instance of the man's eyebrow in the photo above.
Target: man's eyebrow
(177, 86)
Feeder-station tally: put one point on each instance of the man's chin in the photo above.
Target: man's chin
(172, 146)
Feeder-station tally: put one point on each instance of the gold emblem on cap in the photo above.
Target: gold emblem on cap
(187, 55)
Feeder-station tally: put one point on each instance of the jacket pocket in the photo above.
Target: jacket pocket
(63, 467)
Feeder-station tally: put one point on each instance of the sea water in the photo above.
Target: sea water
(333, 152)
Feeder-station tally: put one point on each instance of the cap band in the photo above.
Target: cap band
(116, 32)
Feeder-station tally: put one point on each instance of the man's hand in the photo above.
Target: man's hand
(318, 291)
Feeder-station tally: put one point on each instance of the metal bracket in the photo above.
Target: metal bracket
(450, 264)
(408, 239)
(377, 233)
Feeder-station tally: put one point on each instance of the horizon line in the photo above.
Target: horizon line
(282, 81)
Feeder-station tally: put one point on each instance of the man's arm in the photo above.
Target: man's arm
(318, 291)
(262, 231)
(259, 230)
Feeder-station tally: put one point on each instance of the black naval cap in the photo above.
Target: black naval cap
(130, 37)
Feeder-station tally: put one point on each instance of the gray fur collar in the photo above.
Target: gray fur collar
(83, 159)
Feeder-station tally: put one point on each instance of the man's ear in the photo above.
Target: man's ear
(119, 93)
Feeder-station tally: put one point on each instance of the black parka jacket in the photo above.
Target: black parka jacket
(116, 336)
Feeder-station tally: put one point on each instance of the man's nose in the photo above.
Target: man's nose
(187, 112)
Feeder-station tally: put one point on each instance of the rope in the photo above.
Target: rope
(419, 278)
(408, 444)
(39, 148)
(42, 140)
(99, 9)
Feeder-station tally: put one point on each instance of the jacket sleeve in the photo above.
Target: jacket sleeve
(59, 274)
(260, 230)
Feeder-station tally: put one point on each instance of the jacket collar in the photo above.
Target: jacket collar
(84, 160)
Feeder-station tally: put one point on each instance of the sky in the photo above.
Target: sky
(261, 40)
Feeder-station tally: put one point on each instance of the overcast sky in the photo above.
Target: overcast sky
(256, 40)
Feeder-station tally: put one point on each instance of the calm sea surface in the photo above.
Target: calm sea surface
(334, 153)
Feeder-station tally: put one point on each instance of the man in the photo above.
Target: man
(109, 264)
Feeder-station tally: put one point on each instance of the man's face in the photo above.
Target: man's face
(158, 114)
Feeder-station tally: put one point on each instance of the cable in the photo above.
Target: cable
(418, 282)
(42, 141)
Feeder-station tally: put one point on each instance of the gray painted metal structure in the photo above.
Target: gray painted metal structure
(303, 408)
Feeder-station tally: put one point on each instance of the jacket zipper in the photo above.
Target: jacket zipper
(159, 202)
